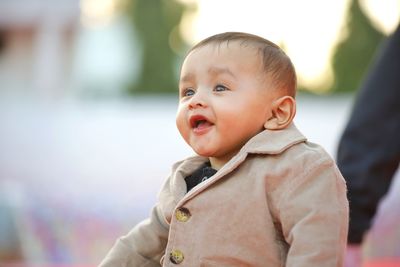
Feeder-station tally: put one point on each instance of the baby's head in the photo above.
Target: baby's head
(233, 86)
(276, 65)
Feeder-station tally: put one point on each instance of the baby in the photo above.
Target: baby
(257, 193)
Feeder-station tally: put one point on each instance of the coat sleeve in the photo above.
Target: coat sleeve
(314, 216)
(143, 246)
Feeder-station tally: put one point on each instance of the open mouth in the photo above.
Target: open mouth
(199, 122)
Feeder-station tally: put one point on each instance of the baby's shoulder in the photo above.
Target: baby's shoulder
(307, 154)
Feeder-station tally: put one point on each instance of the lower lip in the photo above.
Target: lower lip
(202, 130)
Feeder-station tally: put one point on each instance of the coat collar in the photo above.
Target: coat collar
(266, 142)
(273, 142)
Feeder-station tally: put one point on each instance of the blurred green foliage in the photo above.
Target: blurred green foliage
(354, 53)
(156, 25)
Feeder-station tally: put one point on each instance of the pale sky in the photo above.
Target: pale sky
(308, 29)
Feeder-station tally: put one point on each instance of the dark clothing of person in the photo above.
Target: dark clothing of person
(200, 175)
(369, 150)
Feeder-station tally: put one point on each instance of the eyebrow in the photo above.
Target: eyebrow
(213, 71)
(187, 78)
(218, 70)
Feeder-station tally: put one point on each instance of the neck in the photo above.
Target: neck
(217, 163)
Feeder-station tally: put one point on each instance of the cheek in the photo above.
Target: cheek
(244, 118)
(180, 121)
(228, 114)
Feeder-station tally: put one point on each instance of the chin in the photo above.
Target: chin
(204, 153)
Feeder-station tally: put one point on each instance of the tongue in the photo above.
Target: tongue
(203, 124)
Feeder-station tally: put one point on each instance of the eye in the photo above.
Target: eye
(220, 88)
(188, 92)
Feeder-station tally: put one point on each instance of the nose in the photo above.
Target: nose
(198, 100)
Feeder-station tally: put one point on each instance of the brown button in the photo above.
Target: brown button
(182, 214)
(176, 256)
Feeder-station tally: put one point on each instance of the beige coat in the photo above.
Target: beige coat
(281, 201)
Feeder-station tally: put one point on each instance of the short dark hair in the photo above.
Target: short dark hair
(276, 63)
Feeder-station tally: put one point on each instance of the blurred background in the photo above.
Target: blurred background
(88, 93)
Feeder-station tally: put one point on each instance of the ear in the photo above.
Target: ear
(283, 111)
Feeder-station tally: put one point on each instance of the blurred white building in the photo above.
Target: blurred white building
(37, 38)
(53, 48)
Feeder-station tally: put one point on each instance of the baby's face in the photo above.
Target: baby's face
(224, 100)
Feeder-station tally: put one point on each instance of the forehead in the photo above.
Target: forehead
(233, 55)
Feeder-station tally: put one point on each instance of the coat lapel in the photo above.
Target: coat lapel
(266, 142)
